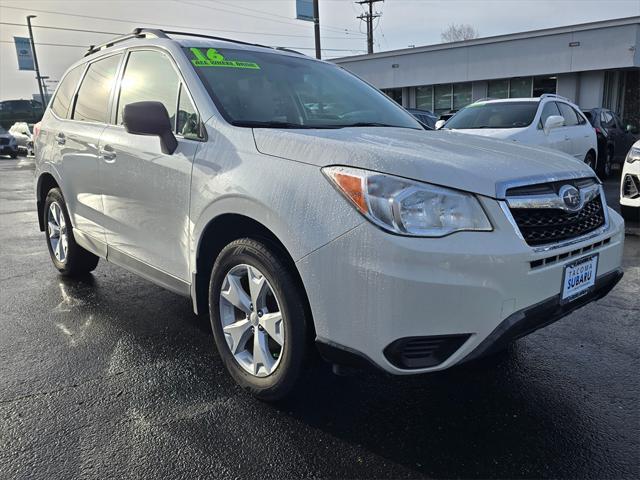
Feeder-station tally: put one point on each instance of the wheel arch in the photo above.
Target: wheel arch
(218, 233)
(46, 181)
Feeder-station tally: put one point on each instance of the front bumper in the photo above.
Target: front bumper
(8, 150)
(368, 289)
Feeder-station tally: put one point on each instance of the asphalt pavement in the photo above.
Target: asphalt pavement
(114, 377)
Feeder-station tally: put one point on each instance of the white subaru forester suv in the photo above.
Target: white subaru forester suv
(549, 121)
(296, 204)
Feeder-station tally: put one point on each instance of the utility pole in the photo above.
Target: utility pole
(316, 27)
(368, 17)
(35, 61)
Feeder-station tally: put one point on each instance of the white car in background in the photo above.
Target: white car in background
(630, 185)
(24, 138)
(549, 121)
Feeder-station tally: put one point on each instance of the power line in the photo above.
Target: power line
(51, 44)
(187, 27)
(61, 28)
(87, 46)
(288, 22)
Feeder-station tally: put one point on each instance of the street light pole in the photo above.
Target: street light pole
(35, 60)
(316, 27)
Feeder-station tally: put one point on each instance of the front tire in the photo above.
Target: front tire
(67, 256)
(590, 159)
(258, 318)
(630, 214)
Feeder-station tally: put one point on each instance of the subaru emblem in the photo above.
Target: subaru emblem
(571, 197)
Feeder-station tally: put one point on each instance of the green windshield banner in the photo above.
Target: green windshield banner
(213, 58)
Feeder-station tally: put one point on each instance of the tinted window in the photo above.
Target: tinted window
(188, 122)
(64, 94)
(495, 115)
(590, 117)
(260, 89)
(548, 110)
(92, 103)
(149, 76)
(570, 117)
(606, 119)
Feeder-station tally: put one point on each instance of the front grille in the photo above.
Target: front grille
(546, 225)
(542, 217)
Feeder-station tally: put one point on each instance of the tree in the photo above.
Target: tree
(457, 33)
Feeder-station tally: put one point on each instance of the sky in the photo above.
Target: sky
(272, 22)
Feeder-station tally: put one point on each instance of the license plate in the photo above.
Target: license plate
(579, 277)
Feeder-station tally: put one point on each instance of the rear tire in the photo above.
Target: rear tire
(604, 165)
(264, 360)
(67, 256)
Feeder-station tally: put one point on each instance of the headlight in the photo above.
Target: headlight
(406, 207)
(633, 155)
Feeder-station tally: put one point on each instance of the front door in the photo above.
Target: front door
(146, 192)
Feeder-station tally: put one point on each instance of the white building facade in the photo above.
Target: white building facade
(593, 64)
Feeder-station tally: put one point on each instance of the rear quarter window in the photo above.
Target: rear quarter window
(92, 104)
(62, 100)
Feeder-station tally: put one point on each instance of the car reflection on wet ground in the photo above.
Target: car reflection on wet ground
(112, 376)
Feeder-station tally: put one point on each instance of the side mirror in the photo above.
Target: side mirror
(440, 124)
(554, 121)
(150, 118)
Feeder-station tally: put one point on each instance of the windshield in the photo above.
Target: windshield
(261, 89)
(494, 115)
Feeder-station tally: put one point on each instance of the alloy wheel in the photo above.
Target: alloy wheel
(251, 320)
(57, 229)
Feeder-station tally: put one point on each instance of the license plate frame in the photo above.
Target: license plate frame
(568, 292)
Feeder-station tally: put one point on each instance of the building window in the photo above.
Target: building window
(542, 85)
(394, 93)
(461, 95)
(498, 88)
(520, 87)
(424, 97)
(442, 98)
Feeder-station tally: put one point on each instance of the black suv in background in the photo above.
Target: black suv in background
(12, 111)
(614, 139)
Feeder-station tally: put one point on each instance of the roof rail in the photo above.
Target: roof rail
(553, 95)
(159, 33)
(137, 33)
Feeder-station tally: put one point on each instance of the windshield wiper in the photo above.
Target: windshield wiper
(264, 124)
(368, 124)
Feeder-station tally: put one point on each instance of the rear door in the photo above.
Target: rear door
(76, 140)
(146, 192)
(556, 138)
(575, 133)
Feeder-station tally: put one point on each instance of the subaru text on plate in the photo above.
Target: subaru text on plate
(296, 204)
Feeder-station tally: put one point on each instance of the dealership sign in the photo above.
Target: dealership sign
(25, 54)
(304, 10)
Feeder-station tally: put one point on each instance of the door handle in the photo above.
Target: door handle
(108, 154)
(61, 139)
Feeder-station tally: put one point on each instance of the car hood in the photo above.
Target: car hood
(467, 162)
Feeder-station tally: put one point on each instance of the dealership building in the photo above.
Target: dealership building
(592, 64)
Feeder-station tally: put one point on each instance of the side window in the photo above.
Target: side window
(548, 110)
(149, 76)
(62, 100)
(569, 114)
(581, 119)
(188, 122)
(92, 104)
